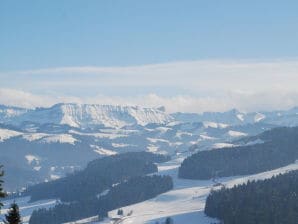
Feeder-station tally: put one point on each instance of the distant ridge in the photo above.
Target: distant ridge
(86, 115)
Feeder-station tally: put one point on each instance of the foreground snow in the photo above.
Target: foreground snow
(184, 204)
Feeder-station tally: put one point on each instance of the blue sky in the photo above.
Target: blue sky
(48, 47)
(38, 34)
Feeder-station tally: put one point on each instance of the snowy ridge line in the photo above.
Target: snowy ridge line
(117, 116)
(88, 115)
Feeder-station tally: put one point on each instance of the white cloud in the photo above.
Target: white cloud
(206, 75)
(241, 100)
(12, 97)
(194, 86)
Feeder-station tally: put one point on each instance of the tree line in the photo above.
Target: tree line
(271, 201)
(279, 149)
(99, 175)
(128, 192)
(13, 216)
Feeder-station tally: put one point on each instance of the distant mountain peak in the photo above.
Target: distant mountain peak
(88, 115)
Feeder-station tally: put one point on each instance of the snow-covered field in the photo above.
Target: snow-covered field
(184, 204)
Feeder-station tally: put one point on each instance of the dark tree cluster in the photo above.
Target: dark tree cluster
(2, 193)
(62, 213)
(120, 212)
(271, 201)
(99, 175)
(138, 189)
(128, 192)
(280, 149)
(169, 220)
(13, 216)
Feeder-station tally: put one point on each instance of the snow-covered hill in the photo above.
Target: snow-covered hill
(186, 202)
(7, 113)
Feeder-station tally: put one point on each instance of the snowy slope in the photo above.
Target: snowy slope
(186, 202)
(7, 134)
(8, 113)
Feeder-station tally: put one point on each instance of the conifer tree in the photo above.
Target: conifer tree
(13, 216)
(169, 220)
(120, 212)
(2, 193)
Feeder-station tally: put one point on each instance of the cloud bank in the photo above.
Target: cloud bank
(188, 86)
(263, 101)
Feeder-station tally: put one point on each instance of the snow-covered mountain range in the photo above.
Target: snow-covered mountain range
(46, 143)
(235, 117)
(92, 115)
(85, 115)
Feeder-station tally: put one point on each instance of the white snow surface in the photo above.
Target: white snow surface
(61, 138)
(206, 137)
(103, 151)
(37, 168)
(222, 145)
(254, 142)
(214, 125)
(111, 135)
(6, 134)
(152, 148)
(180, 134)
(120, 145)
(32, 158)
(259, 117)
(34, 136)
(50, 138)
(236, 133)
(54, 177)
(240, 117)
(155, 140)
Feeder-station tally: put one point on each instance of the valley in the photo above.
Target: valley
(48, 143)
(48, 148)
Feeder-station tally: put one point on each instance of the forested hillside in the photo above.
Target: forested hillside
(134, 190)
(279, 149)
(271, 201)
(98, 176)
